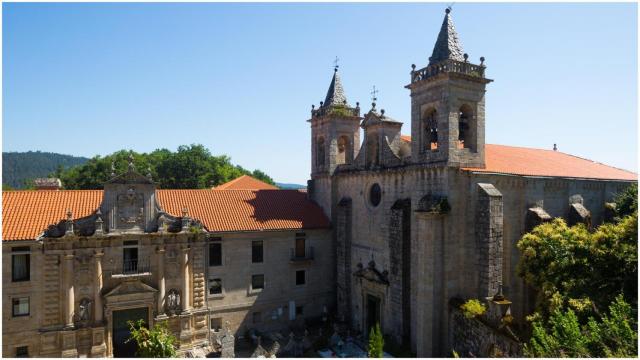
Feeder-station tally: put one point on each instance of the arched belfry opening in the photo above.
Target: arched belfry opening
(344, 151)
(466, 128)
(430, 129)
(320, 146)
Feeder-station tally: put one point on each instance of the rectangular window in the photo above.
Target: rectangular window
(299, 310)
(20, 264)
(130, 257)
(22, 351)
(300, 277)
(216, 324)
(215, 286)
(256, 252)
(215, 254)
(300, 247)
(257, 282)
(21, 306)
(257, 317)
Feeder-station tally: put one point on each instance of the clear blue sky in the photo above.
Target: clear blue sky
(88, 79)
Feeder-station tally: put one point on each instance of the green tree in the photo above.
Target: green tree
(580, 274)
(572, 264)
(376, 342)
(258, 174)
(189, 167)
(156, 342)
(627, 201)
(562, 335)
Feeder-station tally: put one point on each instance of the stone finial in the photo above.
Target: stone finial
(413, 67)
(185, 219)
(99, 223)
(131, 166)
(466, 57)
(481, 60)
(321, 103)
(313, 106)
(382, 112)
(69, 223)
(555, 147)
(113, 169)
(373, 106)
(499, 296)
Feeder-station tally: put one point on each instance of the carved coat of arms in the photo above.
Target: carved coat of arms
(130, 207)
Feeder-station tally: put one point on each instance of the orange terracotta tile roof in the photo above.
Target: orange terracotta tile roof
(245, 182)
(246, 210)
(538, 162)
(514, 160)
(26, 214)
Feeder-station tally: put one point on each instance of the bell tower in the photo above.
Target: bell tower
(447, 104)
(335, 139)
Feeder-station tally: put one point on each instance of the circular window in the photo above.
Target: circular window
(375, 194)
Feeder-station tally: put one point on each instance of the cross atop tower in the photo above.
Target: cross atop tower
(335, 64)
(374, 94)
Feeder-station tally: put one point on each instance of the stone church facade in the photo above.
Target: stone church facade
(423, 219)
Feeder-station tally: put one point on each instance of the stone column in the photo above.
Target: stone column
(97, 298)
(161, 290)
(186, 298)
(69, 291)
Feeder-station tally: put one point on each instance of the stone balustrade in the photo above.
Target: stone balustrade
(448, 66)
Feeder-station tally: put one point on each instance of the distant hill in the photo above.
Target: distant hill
(286, 186)
(18, 167)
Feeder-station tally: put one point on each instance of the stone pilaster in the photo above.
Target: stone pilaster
(161, 286)
(97, 289)
(184, 265)
(69, 304)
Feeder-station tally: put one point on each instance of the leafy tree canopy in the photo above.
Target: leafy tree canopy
(190, 167)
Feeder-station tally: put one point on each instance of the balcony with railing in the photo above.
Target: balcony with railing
(448, 66)
(134, 267)
(297, 256)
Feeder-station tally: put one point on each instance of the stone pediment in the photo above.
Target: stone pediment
(130, 177)
(131, 288)
(372, 274)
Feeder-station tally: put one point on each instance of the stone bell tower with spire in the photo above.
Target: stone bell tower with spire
(447, 105)
(335, 139)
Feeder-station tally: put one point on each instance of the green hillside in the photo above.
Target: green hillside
(21, 167)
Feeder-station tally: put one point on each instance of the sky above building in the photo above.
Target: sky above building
(90, 79)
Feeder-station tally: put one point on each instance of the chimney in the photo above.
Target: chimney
(47, 183)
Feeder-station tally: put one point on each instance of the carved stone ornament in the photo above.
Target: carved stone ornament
(130, 207)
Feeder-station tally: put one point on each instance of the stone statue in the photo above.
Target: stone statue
(84, 310)
(173, 301)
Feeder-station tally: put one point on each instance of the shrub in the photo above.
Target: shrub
(376, 342)
(473, 308)
(156, 342)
